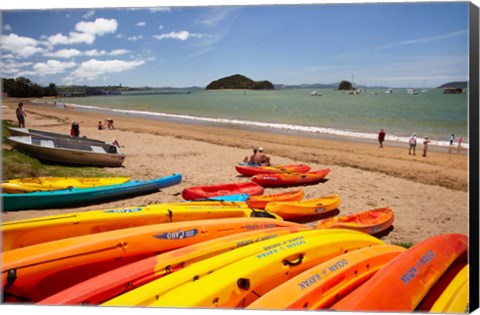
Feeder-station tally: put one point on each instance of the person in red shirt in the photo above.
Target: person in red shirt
(381, 137)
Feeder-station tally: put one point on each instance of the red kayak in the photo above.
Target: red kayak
(202, 192)
(249, 170)
(289, 179)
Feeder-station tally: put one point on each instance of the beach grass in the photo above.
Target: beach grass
(406, 245)
(19, 165)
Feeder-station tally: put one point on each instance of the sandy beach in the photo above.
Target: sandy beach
(428, 194)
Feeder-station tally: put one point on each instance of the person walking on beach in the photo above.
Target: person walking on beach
(75, 129)
(452, 138)
(425, 145)
(20, 115)
(381, 137)
(412, 144)
(460, 141)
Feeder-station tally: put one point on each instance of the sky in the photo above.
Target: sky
(375, 44)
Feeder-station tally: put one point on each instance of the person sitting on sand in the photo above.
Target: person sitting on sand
(249, 159)
(115, 143)
(100, 125)
(261, 158)
(110, 124)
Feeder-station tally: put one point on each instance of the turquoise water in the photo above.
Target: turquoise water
(431, 114)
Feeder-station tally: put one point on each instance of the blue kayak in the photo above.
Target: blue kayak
(230, 198)
(85, 196)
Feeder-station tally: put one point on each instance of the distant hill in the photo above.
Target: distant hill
(307, 86)
(238, 81)
(455, 84)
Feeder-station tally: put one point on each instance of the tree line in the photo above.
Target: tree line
(23, 87)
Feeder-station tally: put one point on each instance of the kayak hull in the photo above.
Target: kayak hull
(79, 196)
(290, 179)
(208, 191)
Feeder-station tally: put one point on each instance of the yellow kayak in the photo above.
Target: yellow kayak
(153, 292)
(29, 232)
(455, 298)
(310, 207)
(30, 184)
(242, 282)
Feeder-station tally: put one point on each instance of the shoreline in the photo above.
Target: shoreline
(275, 128)
(428, 194)
(327, 149)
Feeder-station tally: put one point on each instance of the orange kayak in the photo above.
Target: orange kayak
(303, 208)
(402, 284)
(325, 283)
(248, 170)
(32, 273)
(370, 221)
(259, 202)
(442, 284)
(290, 179)
(112, 283)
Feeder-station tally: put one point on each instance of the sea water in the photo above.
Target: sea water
(430, 113)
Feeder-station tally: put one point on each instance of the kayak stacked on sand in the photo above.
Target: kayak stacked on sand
(227, 246)
(282, 175)
(214, 254)
(72, 196)
(31, 184)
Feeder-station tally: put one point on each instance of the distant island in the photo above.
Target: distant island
(238, 81)
(455, 84)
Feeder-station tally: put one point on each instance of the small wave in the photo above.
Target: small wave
(288, 127)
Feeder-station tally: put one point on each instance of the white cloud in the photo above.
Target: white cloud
(118, 52)
(95, 52)
(7, 56)
(52, 67)
(20, 45)
(11, 67)
(7, 27)
(215, 16)
(182, 35)
(64, 53)
(160, 9)
(134, 38)
(425, 39)
(100, 26)
(77, 38)
(89, 14)
(56, 39)
(95, 68)
(73, 38)
(141, 23)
